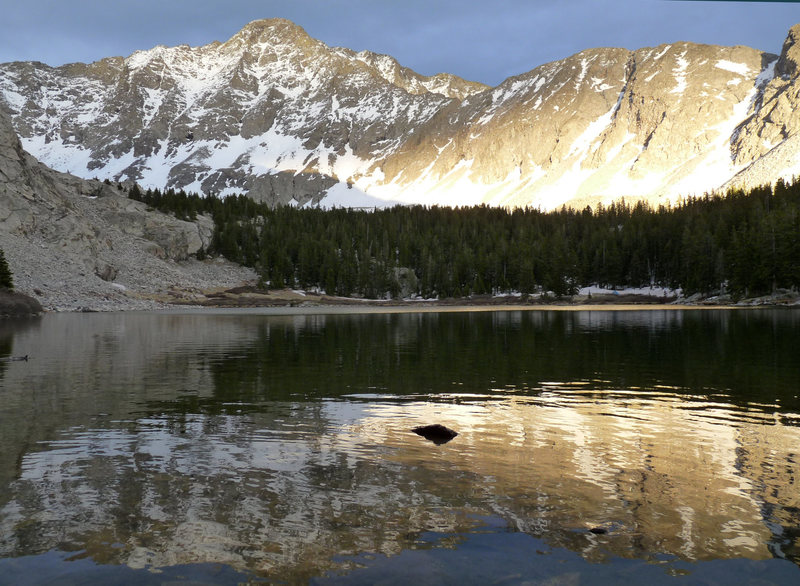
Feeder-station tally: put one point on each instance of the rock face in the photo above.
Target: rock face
(77, 243)
(286, 119)
(767, 142)
(271, 112)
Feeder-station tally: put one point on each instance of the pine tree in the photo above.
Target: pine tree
(6, 279)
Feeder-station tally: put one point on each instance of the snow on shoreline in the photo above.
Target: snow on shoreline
(652, 291)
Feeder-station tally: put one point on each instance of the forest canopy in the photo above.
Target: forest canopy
(745, 243)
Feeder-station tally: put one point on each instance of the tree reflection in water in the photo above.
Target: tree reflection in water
(282, 445)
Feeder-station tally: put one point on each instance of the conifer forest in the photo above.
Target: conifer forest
(745, 243)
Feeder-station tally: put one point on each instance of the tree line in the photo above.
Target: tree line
(745, 243)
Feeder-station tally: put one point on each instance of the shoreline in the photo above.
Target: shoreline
(246, 299)
(344, 309)
(285, 300)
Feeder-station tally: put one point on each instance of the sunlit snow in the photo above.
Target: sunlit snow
(593, 130)
(662, 53)
(740, 68)
(345, 196)
(680, 74)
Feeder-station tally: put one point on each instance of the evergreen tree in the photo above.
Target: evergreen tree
(747, 241)
(6, 277)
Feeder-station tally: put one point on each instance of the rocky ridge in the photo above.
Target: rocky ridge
(78, 244)
(271, 111)
(287, 119)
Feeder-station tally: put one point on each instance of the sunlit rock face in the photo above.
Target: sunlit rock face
(767, 143)
(287, 119)
(606, 123)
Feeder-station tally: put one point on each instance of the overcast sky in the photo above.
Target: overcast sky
(481, 40)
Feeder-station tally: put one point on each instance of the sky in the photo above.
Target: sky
(479, 40)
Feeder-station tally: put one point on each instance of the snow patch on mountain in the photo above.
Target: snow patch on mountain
(767, 75)
(282, 116)
(343, 195)
(739, 68)
(67, 158)
(593, 131)
(662, 53)
(679, 71)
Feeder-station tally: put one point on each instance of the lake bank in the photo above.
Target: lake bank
(248, 297)
(245, 295)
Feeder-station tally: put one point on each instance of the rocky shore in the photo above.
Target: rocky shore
(61, 280)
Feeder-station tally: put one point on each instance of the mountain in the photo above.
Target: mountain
(75, 243)
(287, 119)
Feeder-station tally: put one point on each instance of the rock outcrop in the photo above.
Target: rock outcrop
(14, 304)
(767, 143)
(77, 243)
(287, 119)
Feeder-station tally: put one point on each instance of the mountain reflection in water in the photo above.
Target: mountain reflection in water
(282, 445)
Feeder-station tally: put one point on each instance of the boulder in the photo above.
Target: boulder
(437, 433)
(14, 304)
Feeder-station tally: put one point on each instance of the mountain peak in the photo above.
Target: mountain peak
(271, 30)
(788, 64)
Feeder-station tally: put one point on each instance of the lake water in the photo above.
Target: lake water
(227, 447)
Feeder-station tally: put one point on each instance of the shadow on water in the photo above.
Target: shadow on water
(594, 444)
(8, 328)
(6, 345)
(11, 455)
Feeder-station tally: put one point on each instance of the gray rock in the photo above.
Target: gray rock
(14, 304)
(83, 244)
(106, 272)
(407, 281)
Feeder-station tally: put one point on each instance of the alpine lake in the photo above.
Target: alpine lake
(657, 446)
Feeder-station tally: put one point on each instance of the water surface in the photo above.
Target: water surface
(226, 447)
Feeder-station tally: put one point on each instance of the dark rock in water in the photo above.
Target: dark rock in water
(438, 434)
(598, 530)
